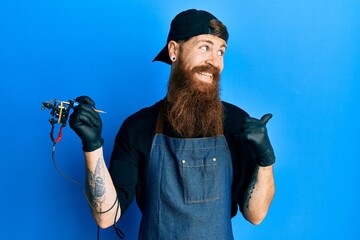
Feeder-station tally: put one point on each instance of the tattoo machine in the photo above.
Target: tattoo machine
(59, 114)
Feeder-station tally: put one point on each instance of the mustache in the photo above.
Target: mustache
(207, 68)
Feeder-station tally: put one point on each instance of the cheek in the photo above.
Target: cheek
(221, 63)
(192, 60)
(221, 67)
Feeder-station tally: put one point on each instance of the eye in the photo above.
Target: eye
(221, 52)
(204, 48)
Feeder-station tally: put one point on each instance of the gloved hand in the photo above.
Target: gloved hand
(255, 132)
(86, 123)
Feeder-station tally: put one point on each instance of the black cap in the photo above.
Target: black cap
(185, 25)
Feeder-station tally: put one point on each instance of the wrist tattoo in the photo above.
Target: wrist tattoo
(251, 187)
(96, 185)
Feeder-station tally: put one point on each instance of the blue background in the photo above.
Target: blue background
(299, 60)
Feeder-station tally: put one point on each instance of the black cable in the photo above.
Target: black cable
(98, 232)
(120, 233)
(62, 174)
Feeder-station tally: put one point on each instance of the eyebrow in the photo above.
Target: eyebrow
(210, 42)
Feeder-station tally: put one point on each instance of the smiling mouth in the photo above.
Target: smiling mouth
(205, 77)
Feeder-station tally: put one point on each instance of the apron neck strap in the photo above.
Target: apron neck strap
(160, 120)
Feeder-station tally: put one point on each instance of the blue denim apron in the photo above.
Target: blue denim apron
(188, 189)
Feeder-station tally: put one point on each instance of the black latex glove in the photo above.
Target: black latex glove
(254, 130)
(87, 124)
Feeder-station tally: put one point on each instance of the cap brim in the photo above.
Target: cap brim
(163, 56)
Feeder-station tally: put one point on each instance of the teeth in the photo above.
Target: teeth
(205, 74)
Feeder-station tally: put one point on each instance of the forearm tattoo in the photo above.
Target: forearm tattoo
(251, 187)
(96, 185)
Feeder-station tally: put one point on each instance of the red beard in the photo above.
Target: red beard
(194, 107)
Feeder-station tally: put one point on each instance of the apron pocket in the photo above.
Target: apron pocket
(200, 180)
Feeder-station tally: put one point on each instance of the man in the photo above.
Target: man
(190, 159)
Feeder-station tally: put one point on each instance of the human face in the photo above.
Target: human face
(204, 56)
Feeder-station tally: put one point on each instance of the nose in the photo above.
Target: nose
(215, 60)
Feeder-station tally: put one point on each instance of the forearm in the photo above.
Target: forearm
(259, 194)
(100, 190)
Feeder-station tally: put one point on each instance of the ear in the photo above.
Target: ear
(173, 49)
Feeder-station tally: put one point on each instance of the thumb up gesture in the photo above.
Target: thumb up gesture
(254, 130)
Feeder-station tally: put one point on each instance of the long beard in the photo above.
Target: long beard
(194, 108)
